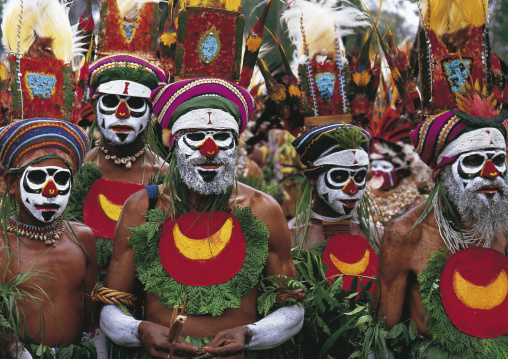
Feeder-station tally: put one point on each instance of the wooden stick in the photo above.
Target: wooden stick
(184, 305)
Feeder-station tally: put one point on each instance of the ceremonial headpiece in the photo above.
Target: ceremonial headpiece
(204, 46)
(333, 145)
(126, 54)
(333, 90)
(454, 50)
(207, 41)
(41, 45)
(477, 124)
(32, 140)
(189, 104)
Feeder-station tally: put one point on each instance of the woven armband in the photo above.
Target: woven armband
(114, 297)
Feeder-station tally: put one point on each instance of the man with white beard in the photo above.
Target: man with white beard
(202, 236)
(446, 257)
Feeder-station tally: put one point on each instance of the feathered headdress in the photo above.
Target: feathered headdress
(329, 90)
(42, 43)
(126, 61)
(206, 40)
(455, 51)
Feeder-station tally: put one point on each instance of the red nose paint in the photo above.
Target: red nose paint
(350, 188)
(489, 170)
(122, 111)
(50, 190)
(209, 148)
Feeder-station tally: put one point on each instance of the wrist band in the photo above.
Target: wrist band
(113, 297)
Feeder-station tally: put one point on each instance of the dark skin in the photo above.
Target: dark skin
(315, 232)
(144, 168)
(63, 312)
(402, 257)
(229, 330)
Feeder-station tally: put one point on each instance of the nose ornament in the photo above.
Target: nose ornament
(489, 170)
(209, 148)
(122, 111)
(350, 188)
(50, 189)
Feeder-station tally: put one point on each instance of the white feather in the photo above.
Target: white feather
(130, 9)
(40, 18)
(323, 24)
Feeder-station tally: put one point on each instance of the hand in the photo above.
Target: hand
(154, 338)
(228, 343)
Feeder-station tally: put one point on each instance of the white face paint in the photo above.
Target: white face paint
(206, 160)
(45, 191)
(382, 166)
(342, 188)
(122, 119)
(481, 171)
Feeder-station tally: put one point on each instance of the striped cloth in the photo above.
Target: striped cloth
(166, 99)
(325, 140)
(432, 137)
(28, 140)
(130, 65)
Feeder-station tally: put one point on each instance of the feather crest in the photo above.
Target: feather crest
(323, 23)
(451, 16)
(41, 18)
(130, 9)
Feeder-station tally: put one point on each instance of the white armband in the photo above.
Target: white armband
(19, 352)
(275, 328)
(99, 341)
(121, 328)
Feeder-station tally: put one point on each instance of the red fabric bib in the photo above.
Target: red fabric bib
(202, 249)
(350, 254)
(105, 198)
(474, 288)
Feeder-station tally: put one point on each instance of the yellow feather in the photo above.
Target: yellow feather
(450, 16)
(233, 5)
(44, 18)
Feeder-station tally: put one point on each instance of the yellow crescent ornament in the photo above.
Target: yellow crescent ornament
(352, 268)
(110, 209)
(481, 297)
(206, 248)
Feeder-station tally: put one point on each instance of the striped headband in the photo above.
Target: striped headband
(166, 99)
(125, 67)
(27, 140)
(432, 137)
(316, 146)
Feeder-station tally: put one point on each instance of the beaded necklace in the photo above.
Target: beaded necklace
(126, 161)
(49, 234)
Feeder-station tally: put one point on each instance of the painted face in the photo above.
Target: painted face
(342, 188)
(45, 191)
(122, 119)
(206, 160)
(384, 175)
(481, 171)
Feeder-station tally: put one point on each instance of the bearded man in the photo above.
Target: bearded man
(441, 264)
(204, 237)
(41, 157)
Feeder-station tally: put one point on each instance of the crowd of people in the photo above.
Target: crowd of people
(167, 194)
